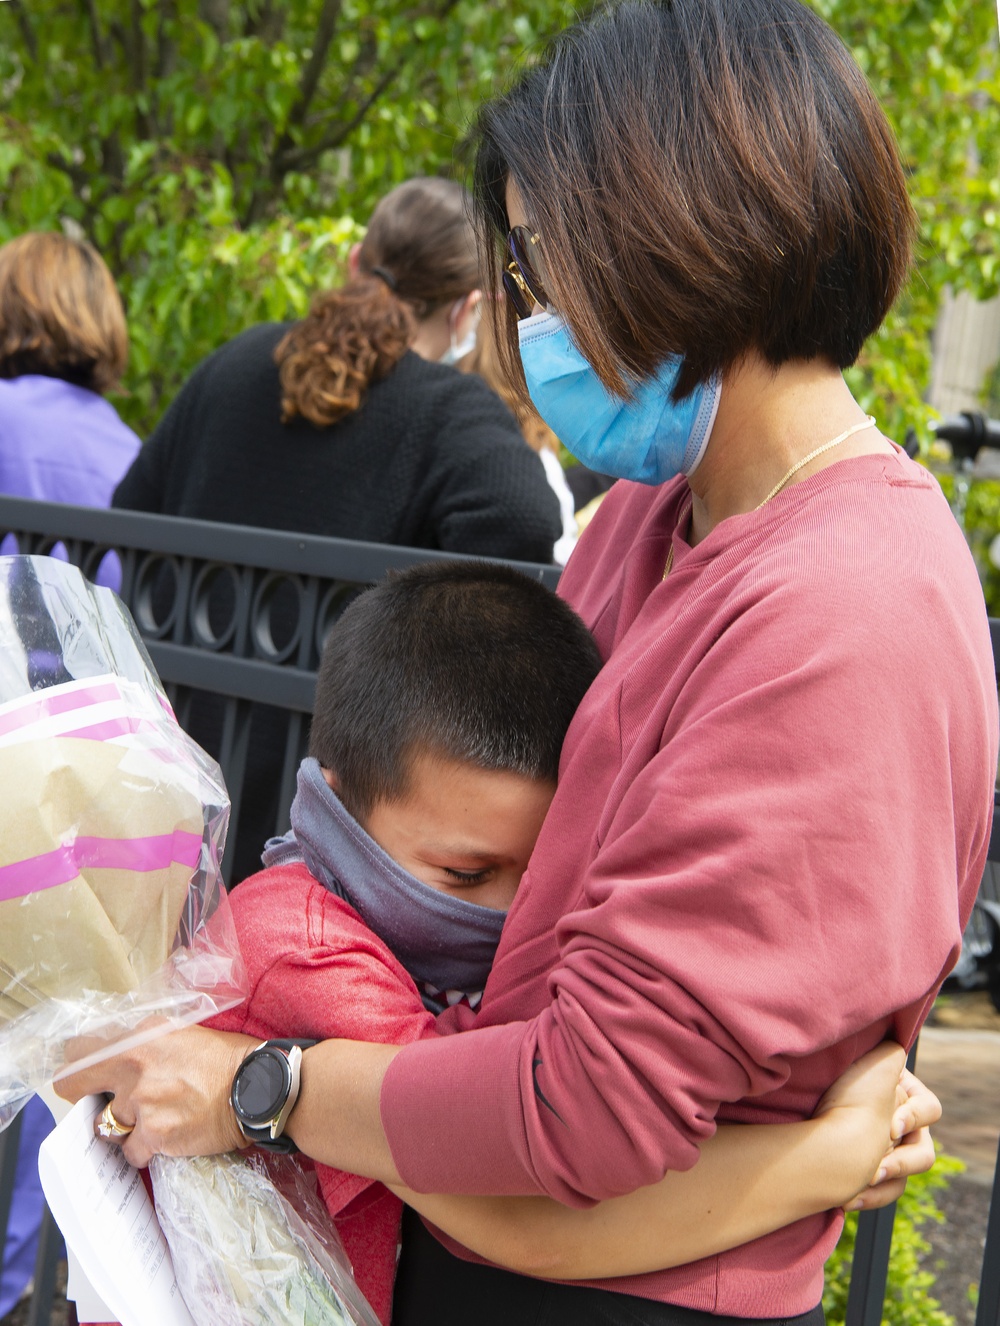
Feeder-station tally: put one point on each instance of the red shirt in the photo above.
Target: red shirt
(772, 817)
(315, 970)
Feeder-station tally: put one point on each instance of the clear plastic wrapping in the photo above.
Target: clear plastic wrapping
(252, 1243)
(114, 923)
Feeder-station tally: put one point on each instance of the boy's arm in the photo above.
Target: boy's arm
(749, 1181)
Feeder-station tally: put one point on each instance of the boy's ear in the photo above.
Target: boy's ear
(332, 781)
(353, 255)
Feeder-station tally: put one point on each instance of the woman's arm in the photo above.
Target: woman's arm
(749, 1181)
(175, 1090)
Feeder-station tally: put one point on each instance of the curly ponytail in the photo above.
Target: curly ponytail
(419, 254)
(350, 338)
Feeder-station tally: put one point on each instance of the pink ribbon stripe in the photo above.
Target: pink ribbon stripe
(113, 727)
(65, 863)
(60, 703)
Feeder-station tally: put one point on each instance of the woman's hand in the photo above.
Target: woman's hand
(174, 1089)
(860, 1101)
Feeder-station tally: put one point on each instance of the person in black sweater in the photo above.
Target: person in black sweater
(336, 426)
(433, 459)
(342, 425)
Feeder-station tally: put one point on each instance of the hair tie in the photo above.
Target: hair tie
(385, 276)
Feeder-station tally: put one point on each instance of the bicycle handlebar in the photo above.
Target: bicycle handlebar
(967, 432)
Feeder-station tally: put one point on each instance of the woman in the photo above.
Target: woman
(63, 347)
(774, 803)
(343, 425)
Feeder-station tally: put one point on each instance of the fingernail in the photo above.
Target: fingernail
(882, 1174)
(856, 1205)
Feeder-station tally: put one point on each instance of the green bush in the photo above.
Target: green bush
(908, 1299)
(982, 523)
(202, 144)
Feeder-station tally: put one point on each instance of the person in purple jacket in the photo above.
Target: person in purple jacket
(63, 345)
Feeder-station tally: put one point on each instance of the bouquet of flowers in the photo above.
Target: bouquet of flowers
(115, 927)
(114, 924)
(252, 1243)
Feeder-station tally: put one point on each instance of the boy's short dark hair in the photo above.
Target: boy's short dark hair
(707, 178)
(472, 660)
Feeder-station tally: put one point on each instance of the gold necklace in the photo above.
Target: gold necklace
(868, 422)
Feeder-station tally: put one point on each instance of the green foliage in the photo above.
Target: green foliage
(203, 144)
(982, 521)
(934, 66)
(908, 1301)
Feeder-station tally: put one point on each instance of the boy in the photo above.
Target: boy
(441, 704)
(442, 701)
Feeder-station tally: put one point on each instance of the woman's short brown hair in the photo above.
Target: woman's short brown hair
(60, 312)
(707, 178)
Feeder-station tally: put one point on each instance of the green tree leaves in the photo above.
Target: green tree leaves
(203, 144)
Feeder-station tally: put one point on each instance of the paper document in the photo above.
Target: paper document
(101, 1205)
(90, 1307)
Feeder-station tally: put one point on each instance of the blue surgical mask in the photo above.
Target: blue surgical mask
(649, 439)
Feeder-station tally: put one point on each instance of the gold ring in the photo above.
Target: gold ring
(108, 1125)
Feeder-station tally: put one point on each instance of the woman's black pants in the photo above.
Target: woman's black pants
(435, 1288)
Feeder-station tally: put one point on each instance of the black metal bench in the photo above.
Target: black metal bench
(278, 594)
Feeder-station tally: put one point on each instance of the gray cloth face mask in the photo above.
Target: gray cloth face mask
(445, 941)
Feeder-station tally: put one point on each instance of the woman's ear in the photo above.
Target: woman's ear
(354, 260)
(465, 314)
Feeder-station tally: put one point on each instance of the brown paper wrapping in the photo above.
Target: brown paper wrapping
(105, 930)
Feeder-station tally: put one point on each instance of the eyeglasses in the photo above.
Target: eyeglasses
(521, 279)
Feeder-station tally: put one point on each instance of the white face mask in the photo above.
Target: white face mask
(460, 348)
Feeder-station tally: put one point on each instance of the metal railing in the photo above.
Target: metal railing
(234, 619)
(240, 614)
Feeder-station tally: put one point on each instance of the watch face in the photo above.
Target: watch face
(261, 1086)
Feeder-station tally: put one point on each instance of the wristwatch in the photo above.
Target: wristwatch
(265, 1088)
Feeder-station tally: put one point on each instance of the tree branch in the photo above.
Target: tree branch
(89, 8)
(285, 156)
(363, 65)
(290, 159)
(137, 44)
(27, 31)
(325, 29)
(166, 47)
(304, 156)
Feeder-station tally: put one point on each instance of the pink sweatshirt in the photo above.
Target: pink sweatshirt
(772, 817)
